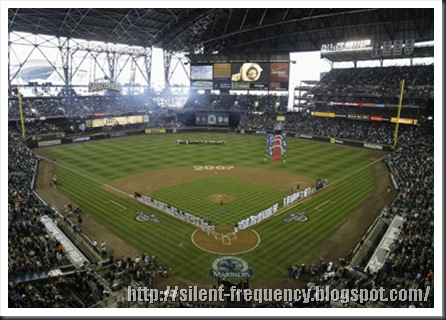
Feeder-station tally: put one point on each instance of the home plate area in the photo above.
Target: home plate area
(225, 237)
(225, 240)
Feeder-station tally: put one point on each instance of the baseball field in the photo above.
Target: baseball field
(224, 183)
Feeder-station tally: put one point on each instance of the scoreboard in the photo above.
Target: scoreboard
(241, 76)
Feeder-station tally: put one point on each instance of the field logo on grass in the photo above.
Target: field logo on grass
(146, 216)
(230, 267)
(296, 217)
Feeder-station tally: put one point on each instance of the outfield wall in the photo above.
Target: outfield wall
(346, 142)
(32, 143)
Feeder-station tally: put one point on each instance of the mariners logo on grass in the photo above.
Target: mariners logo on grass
(146, 216)
(230, 267)
(296, 217)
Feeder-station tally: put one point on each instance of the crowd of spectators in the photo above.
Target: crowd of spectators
(77, 290)
(257, 121)
(87, 106)
(305, 123)
(406, 112)
(30, 248)
(143, 269)
(410, 261)
(32, 252)
(36, 259)
(296, 122)
(81, 106)
(271, 103)
(377, 84)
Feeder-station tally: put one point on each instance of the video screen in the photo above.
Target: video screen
(201, 72)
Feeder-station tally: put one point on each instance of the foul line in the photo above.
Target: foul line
(85, 176)
(117, 190)
(280, 211)
(119, 205)
(359, 169)
(294, 204)
(323, 203)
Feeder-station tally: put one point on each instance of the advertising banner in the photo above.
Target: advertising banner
(79, 139)
(240, 85)
(376, 118)
(323, 114)
(279, 86)
(101, 86)
(279, 71)
(363, 117)
(115, 121)
(402, 120)
(201, 85)
(201, 119)
(211, 119)
(222, 84)
(223, 120)
(49, 143)
(150, 131)
(279, 76)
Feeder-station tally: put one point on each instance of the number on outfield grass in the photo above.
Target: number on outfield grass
(208, 167)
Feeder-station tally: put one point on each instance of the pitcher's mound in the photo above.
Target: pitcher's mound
(225, 241)
(220, 198)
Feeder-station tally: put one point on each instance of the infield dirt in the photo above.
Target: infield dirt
(339, 245)
(150, 181)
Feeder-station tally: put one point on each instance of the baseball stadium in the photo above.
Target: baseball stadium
(190, 147)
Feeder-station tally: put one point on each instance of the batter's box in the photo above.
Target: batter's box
(218, 236)
(232, 236)
(226, 240)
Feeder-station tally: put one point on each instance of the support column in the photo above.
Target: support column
(148, 67)
(111, 59)
(65, 56)
(9, 65)
(167, 60)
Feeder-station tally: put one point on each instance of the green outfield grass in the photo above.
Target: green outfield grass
(83, 171)
(192, 197)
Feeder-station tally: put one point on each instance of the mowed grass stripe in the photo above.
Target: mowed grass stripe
(192, 197)
(170, 240)
(146, 237)
(325, 216)
(314, 235)
(309, 235)
(327, 220)
(115, 219)
(147, 163)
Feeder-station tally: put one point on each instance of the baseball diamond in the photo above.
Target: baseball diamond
(280, 157)
(276, 157)
(223, 183)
